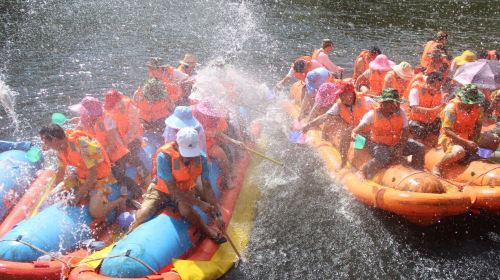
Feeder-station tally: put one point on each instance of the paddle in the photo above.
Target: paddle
(240, 258)
(240, 144)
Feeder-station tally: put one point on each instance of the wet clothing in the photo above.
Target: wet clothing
(323, 58)
(420, 130)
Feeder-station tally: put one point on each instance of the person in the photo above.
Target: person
(177, 165)
(314, 80)
(425, 105)
(461, 122)
(465, 57)
(128, 123)
(493, 110)
(362, 61)
(326, 96)
(187, 64)
(173, 80)
(91, 164)
(439, 42)
(372, 80)
(348, 109)
(389, 135)
(213, 120)
(101, 126)
(321, 55)
(183, 117)
(154, 105)
(493, 55)
(438, 63)
(300, 67)
(399, 77)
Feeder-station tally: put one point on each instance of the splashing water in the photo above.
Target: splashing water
(7, 100)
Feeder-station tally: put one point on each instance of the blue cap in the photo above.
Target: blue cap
(315, 79)
(182, 117)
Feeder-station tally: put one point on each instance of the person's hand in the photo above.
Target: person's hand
(206, 207)
(471, 146)
(340, 69)
(353, 135)
(217, 214)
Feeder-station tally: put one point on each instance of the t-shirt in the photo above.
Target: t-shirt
(164, 167)
(413, 98)
(368, 118)
(327, 63)
(89, 149)
(450, 116)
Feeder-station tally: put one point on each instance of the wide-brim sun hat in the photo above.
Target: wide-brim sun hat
(88, 107)
(466, 56)
(381, 63)
(188, 142)
(189, 59)
(389, 94)
(210, 109)
(181, 118)
(403, 70)
(470, 94)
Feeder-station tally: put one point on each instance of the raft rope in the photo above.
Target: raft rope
(483, 174)
(69, 265)
(410, 175)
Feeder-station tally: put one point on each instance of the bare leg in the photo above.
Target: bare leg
(99, 206)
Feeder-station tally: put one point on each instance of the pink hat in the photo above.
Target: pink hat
(207, 108)
(381, 63)
(88, 107)
(327, 95)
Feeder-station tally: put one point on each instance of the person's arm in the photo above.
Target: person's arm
(328, 64)
(469, 145)
(365, 122)
(134, 123)
(288, 76)
(362, 80)
(317, 121)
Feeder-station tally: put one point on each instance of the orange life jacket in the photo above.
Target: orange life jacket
(465, 122)
(427, 98)
(376, 82)
(429, 46)
(417, 78)
(359, 109)
(73, 158)
(387, 131)
(151, 112)
(316, 53)
(101, 135)
(436, 67)
(121, 118)
(184, 176)
(358, 67)
(395, 82)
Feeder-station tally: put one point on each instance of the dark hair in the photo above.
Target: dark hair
(327, 43)
(299, 66)
(375, 49)
(52, 131)
(434, 76)
(482, 54)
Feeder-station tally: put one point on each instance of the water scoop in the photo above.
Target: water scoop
(484, 153)
(59, 118)
(296, 136)
(34, 154)
(359, 142)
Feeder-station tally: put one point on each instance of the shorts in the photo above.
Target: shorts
(155, 200)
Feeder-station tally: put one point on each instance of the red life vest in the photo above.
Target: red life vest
(121, 116)
(425, 59)
(359, 109)
(184, 176)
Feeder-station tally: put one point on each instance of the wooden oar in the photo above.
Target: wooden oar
(240, 258)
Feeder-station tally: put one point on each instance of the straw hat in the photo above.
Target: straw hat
(381, 63)
(403, 70)
(189, 59)
(155, 62)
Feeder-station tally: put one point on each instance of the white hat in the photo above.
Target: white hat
(187, 140)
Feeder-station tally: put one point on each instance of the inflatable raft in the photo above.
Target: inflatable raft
(418, 196)
(18, 169)
(165, 247)
(41, 241)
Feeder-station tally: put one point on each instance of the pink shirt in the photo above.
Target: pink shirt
(327, 63)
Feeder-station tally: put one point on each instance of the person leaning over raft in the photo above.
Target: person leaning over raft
(77, 149)
(314, 79)
(177, 166)
(389, 135)
(349, 109)
(300, 67)
(425, 105)
(321, 55)
(461, 122)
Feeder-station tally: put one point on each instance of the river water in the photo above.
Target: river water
(53, 52)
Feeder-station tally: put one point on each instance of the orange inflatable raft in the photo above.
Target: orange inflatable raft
(418, 196)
